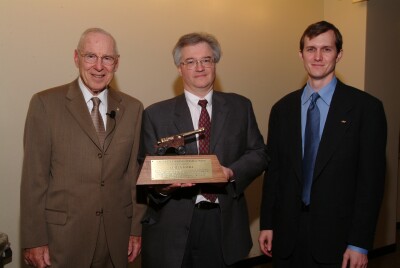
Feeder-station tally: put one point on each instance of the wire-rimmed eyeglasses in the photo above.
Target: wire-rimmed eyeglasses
(92, 58)
(192, 63)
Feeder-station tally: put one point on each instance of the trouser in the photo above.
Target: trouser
(203, 247)
(302, 257)
(101, 257)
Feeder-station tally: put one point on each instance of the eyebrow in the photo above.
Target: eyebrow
(324, 46)
(192, 58)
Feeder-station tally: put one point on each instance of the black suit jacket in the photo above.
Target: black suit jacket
(348, 176)
(238, 144)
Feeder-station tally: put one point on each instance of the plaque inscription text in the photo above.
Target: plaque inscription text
(167, 169)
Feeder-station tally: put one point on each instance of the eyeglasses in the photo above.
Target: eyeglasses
(93, 58)
(192, 63)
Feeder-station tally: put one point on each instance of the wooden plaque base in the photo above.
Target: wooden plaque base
(181, 169)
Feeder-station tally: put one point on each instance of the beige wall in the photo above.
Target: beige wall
(351, 21)
(260, 60)
(381, 79)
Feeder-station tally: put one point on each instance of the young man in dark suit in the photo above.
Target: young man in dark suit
(324, 186)
(183, 226)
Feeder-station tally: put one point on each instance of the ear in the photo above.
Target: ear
(301, 54)
(180, 69)
(339, 55)
(116, 65)
(76, 58)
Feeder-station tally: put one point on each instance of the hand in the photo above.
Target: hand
(354, 259)
(227, 172)
(134, 247)
(265, 241)
(37, 257)
(168, 189)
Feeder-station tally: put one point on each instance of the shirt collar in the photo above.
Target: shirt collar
(325, 93)
(88, 95)
(193, 99)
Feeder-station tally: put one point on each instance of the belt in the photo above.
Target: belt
(305, 208)
(206, 205)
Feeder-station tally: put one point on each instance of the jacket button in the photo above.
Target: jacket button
(102, 183)
(99, 213)
(99, 155)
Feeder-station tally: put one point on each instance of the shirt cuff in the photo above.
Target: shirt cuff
(357, 249)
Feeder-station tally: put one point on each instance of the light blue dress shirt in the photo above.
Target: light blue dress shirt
(323, 104)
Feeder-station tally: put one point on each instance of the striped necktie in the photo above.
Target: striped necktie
(98, 120)
(311, 144)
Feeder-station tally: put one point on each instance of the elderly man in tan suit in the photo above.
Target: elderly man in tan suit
(78, 198)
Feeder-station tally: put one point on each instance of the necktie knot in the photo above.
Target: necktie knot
(96, 102)
(314, 97)
(203, 103)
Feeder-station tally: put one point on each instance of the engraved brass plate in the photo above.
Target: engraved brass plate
(167, 169)
(181, 169)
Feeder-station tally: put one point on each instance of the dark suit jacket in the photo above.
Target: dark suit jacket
(238, 144)
(68, 179)
(348, 177)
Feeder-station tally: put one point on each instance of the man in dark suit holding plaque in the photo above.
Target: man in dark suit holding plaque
(202, 225)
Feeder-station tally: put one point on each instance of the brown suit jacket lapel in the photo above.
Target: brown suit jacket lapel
(114, 104)
(78, 108)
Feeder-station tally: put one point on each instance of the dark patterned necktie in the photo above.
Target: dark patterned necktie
(204, 141)
(98, 120)
(204, 121)
(311, 143)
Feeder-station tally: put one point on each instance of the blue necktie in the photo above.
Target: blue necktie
(311, 143)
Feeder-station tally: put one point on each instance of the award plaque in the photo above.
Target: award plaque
(181, 169)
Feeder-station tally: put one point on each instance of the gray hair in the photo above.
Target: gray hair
(194, 39)
(95, 30)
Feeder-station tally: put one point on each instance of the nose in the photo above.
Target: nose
(99, 64)
(318, 55)
(199, 66)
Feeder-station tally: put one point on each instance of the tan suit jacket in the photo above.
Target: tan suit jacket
(69, 182)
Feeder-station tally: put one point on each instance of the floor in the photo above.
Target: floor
(389, 260)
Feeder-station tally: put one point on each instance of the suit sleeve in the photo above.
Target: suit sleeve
(254, 160)
(370, 177)
(35, 175)
(139, 208)
(148, 139)
(271, 176)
